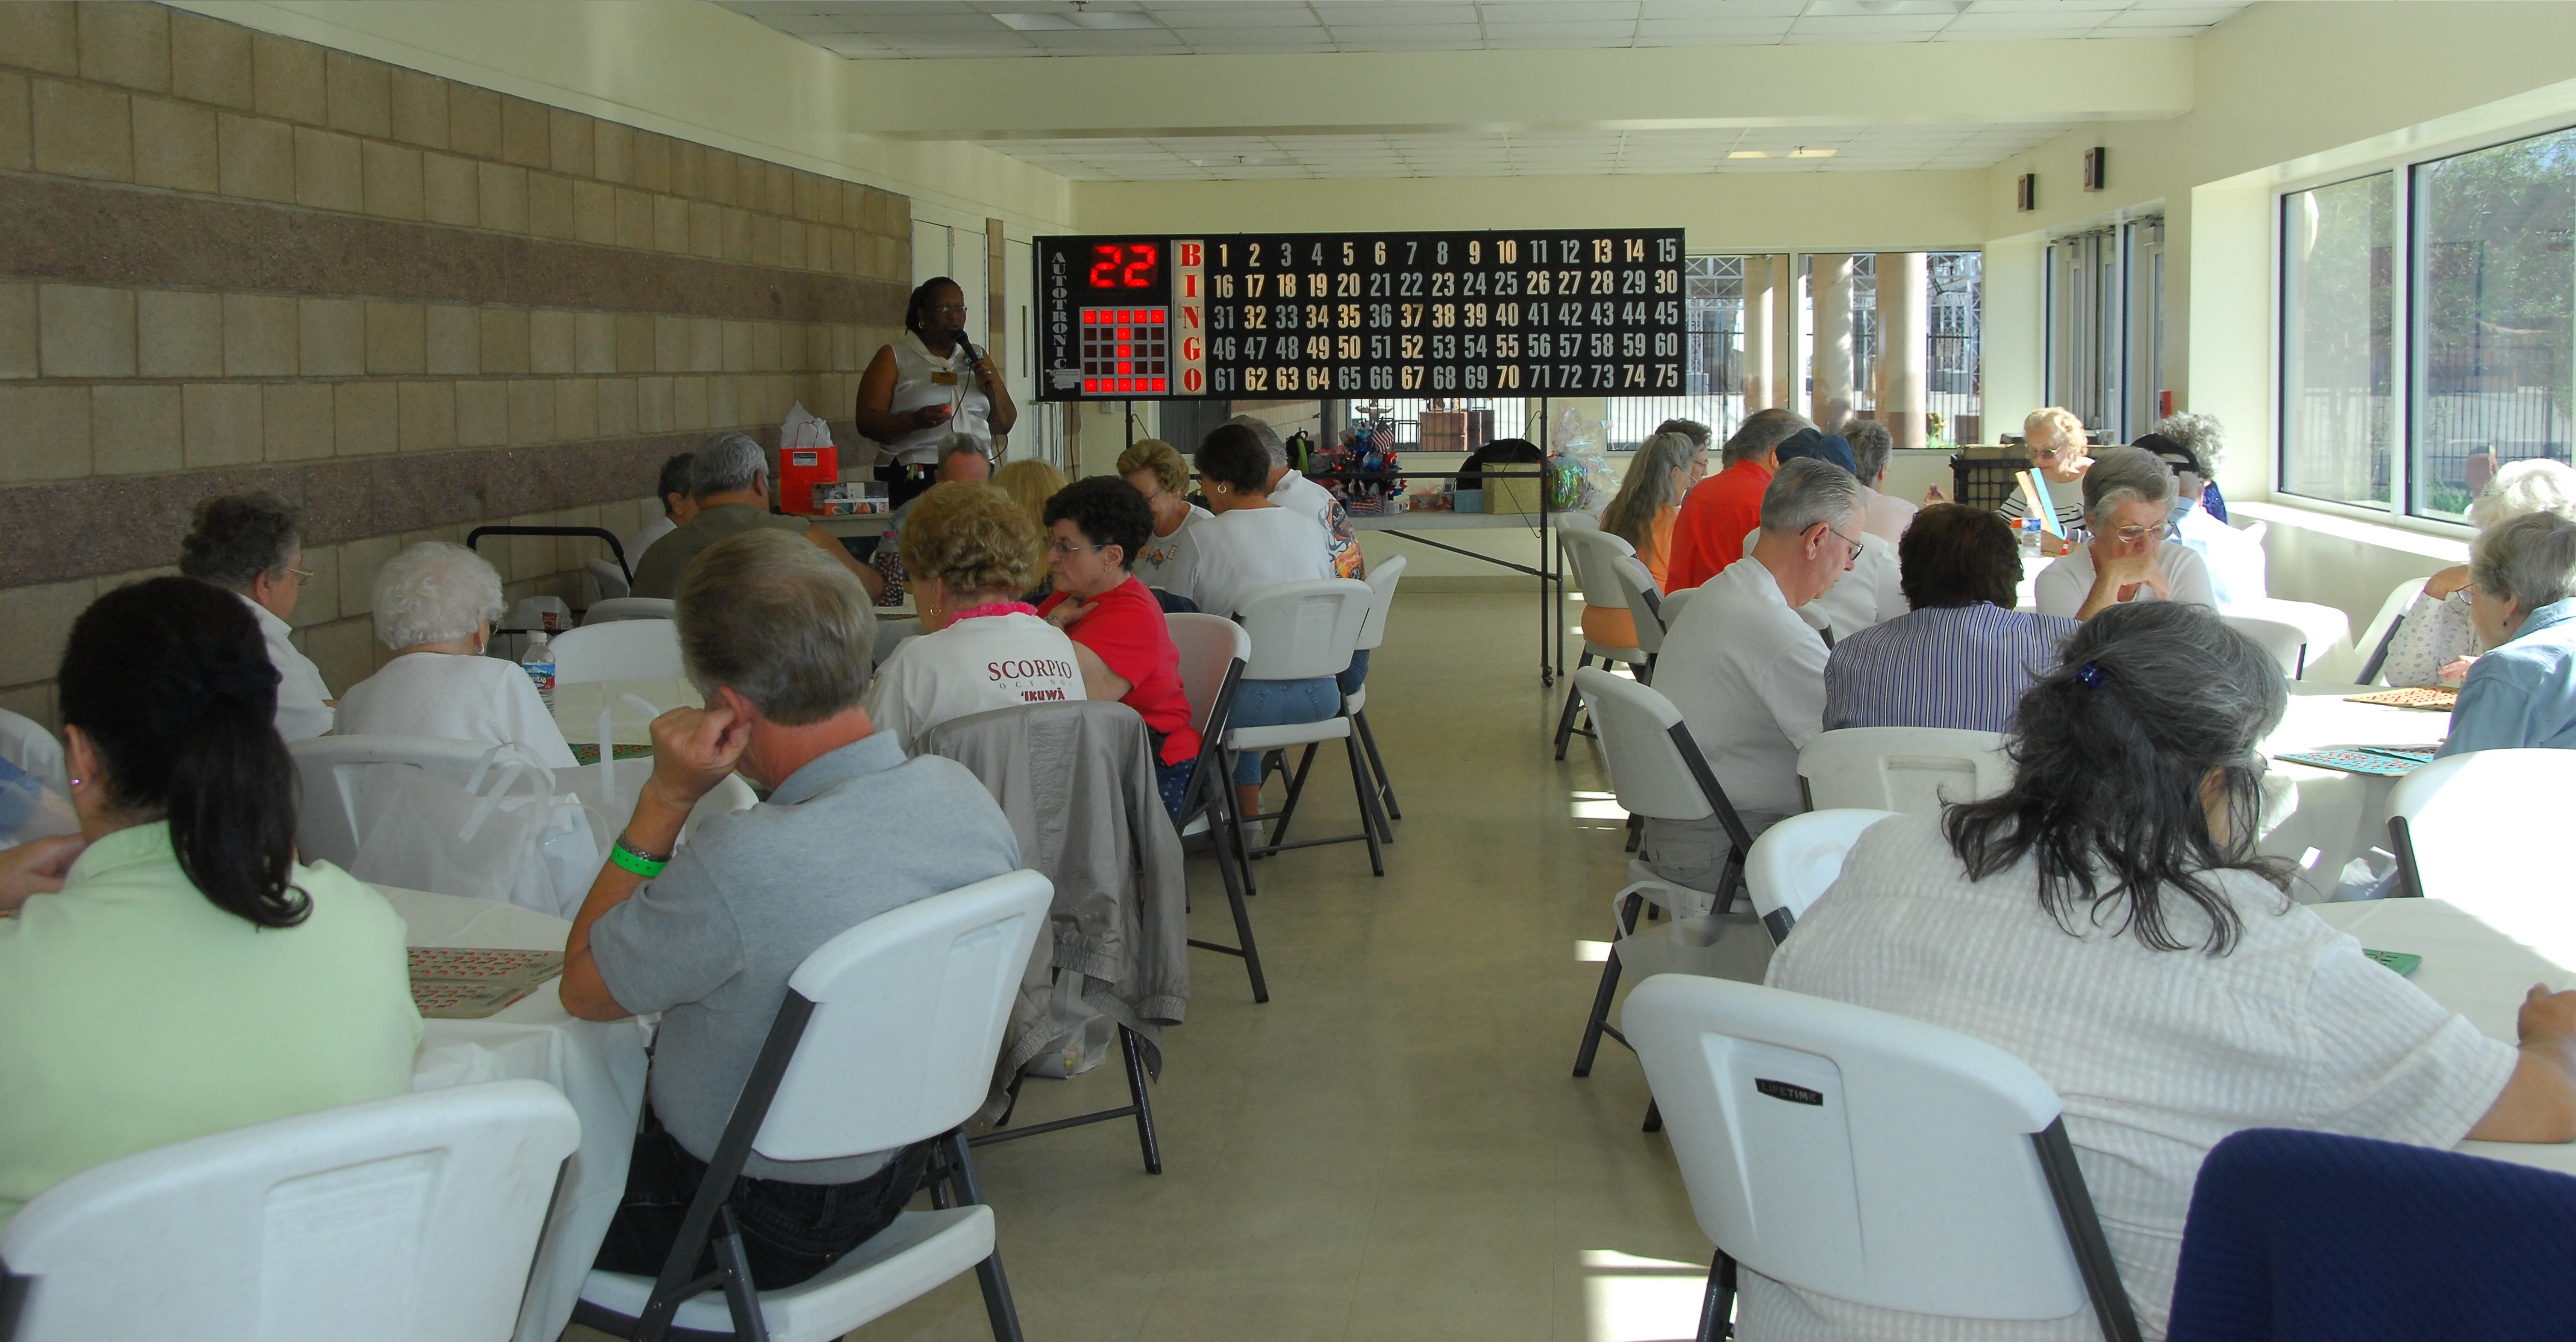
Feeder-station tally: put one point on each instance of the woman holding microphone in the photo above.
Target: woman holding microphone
(926, 385)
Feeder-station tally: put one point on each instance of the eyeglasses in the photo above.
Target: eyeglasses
(299, 574)
(947, 310)
(1851, 548)
(1068, 549)
(2133, 535)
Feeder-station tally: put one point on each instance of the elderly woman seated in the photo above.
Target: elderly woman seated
(1159, 474)
(1120, 637)
(2059, 452)
(2128, 503)
(184, 976)
(970, 552)
(2108, 921)
(248, 545)
(434, 606)
(2437, 640)
(960, 458)
(2522, 597)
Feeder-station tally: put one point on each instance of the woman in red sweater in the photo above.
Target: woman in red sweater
(1095, 529)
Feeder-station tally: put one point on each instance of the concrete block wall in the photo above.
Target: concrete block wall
(230, 260)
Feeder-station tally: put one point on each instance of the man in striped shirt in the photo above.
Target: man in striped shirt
(1963, 656)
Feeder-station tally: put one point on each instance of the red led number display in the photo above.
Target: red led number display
(1124, 265)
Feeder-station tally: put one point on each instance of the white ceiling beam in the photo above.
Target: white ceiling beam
(1433, 92)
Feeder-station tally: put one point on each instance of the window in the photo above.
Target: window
(2338, 348)
(2106, 326)
(2493, 295)
(2473, 267)
(1712, 368)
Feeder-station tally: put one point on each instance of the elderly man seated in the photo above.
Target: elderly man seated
(1872, 591)
(248, 545)
(778, 639)
(1964, 656)
(1747, 674)
(434, 605)
(729, 478)
(2128, 504)
(1708, 533)
(1871, 444)
(2522, 598)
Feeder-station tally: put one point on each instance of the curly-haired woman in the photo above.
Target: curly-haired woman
(970, 552)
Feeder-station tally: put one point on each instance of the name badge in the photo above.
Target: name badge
(944, 379)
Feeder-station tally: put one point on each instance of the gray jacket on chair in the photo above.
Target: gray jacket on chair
(1077, 781)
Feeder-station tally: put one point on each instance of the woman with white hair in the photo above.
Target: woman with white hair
(2437, 640)
(434, 606)
(2059, 451)
(2522, 586)
(2128, 502)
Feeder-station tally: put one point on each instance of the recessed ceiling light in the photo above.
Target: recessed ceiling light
(1811, 153)
(1747, 153)
(1037, 23)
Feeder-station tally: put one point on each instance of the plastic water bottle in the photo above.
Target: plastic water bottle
(539, 662)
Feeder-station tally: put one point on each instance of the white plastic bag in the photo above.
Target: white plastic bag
(503, 834)
(802, 429)
(1082, 1034)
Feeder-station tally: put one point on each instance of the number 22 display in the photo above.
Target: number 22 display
(1523, 313)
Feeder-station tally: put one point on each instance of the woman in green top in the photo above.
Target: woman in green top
(187, 977)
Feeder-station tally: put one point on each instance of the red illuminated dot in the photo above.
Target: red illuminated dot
(1154, 315)
(1158, 384)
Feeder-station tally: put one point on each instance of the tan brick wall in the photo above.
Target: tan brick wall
(142, 373)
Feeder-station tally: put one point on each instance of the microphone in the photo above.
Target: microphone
(972, 358)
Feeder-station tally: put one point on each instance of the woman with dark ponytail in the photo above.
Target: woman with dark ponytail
(188, 976)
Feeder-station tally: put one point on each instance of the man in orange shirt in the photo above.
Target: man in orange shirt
(1721, 510)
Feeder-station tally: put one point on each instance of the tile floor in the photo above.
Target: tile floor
(1393, 1146)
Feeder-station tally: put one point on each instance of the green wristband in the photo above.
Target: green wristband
(636, 862)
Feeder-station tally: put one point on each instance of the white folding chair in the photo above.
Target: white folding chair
(1595, 555)
(614, 609)
(1657, 770)
(611, 579)
(1381, 580)
(25, 742)
(2286, 642)
(2326, 627)
(1672, 605)
(890, 635)
(1301, 631)
(888, 1037)
(1915, 770)
(1796, 860)
(622, 650)
(1214, 650)
(2382, 629)
(2445, 824)
(1871, 1158)
(413, 1218)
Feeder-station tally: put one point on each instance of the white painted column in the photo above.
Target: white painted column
(1761, 328)
(1831, 400)
(1904, 279)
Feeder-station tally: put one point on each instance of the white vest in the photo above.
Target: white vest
(917, 374)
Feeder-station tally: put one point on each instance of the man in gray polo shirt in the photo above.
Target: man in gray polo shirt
(779, 640)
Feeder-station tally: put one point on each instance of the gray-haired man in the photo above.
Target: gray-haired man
(729, 478)
(1747, 674)
(780, 641)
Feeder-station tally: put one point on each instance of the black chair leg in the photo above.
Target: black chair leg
(734, 1268)
(1717, 1307)
(988, 1274)
(1573, 704)
(1636, 831)
(1366, 792)
(1654, 1117)
(1243, 944)
(1296, 788)
(1385, 787)
(1598, 1023)
(1223, 796)
(1134, 1058)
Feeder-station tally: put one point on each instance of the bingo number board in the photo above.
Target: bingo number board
(1537, 313)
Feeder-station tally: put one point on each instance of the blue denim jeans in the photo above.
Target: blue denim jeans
(1356, 674)
(1274, 703)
